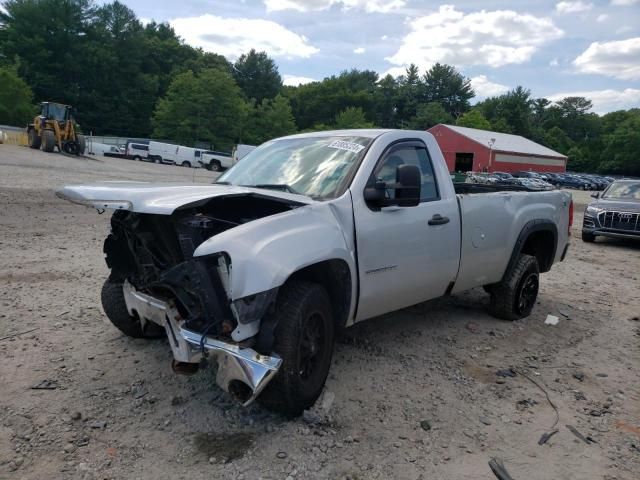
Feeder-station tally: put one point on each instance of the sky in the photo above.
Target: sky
(554, 48)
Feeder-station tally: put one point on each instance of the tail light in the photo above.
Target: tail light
(570, 217)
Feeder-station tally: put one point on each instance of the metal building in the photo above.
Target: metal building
(469, 149)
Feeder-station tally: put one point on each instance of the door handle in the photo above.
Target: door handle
(438, 219)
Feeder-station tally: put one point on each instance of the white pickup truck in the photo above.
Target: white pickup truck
(310, 234)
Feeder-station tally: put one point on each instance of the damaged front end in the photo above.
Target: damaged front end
(152, 256)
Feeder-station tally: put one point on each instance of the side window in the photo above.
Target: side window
(409, 155)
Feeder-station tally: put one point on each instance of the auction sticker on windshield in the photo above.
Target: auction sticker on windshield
(349, 146)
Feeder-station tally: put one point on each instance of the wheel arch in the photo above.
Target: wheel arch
(336, 278)
(538, 238)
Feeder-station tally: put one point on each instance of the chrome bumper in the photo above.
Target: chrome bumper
(237, 366)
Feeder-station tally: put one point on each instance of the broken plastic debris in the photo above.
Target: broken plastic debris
(551, 320)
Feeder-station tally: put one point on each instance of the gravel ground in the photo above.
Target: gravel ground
(411, 395)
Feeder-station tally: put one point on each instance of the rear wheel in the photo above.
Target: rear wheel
(48, 140)
(82, 144)
(185, 164)
(158, 160)
(34, 139)
(515, 296)
(215, 166)
(588, 237)
(304, 340)
(114, 306)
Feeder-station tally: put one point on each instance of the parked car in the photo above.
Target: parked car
(137, 151)
(571, 181)
(615, 213)
(307, 235)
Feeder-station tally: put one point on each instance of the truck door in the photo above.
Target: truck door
(406, 255)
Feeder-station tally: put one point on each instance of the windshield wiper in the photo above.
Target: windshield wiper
(221, 183)
(275, 186)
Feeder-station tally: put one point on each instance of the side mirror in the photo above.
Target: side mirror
(408, 180)
(407, 189)
(375, 195)
(595, 195)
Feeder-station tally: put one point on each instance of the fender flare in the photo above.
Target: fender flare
(532, 226)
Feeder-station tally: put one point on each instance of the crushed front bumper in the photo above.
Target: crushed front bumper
(243, 372)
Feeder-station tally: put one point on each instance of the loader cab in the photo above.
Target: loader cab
(55, 111)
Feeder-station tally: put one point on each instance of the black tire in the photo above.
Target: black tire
(115, 307)
(215, 166)
(48, 140)
(158, 160)
(588, 237)
(82, 144)
(185, 164)
(304, 340)
(515, 296)
(138, 158)
(34, 139)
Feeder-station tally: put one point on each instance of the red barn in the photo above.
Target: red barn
(469, 149)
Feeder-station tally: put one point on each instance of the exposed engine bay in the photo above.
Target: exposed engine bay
(155, 254)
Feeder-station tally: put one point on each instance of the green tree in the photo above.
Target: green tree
(621, 147)
(257, 75)
(49, 39)
(320, 102)
(558, 140)
(16, 106)
(511, 111)
(386, 98)
(444, 84)
(352, 117)
(270, 119)
(428, 115)
(208, 107)
(474, 119)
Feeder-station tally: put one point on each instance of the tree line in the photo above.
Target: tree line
(131, 79)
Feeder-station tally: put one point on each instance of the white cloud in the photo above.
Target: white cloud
(359, 50)
(370, 6)
(294, 81)
(486, 88)
(384, 37)
(232, 37)
(605, 100)
(493, 38)
(619, 59)
(624, 3)
(573, 7)
(624, 29)
(602, 17)
(554, 62)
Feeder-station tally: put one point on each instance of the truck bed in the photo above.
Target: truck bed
(470, 188)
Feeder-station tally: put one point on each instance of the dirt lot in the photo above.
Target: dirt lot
(416, 392)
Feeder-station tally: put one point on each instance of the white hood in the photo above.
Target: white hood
(158, 198)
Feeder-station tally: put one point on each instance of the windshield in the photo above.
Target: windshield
(318, 167)
(57, 112)
(623, 190)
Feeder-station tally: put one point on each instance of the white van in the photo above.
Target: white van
(136, 151)
(160, 152)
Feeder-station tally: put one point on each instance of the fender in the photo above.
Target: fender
(266, 252)
(532, 226)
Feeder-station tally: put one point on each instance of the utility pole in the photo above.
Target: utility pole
(490, 143)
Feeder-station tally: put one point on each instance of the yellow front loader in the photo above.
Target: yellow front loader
(55, 127)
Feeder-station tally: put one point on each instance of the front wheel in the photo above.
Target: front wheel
(588, 237)
(515, 296)
(185, 164)
(115, 308)
(48, 140)
(34, 139)
(304, 339)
